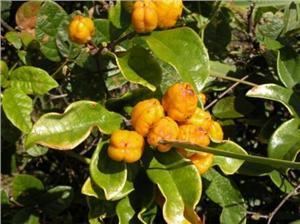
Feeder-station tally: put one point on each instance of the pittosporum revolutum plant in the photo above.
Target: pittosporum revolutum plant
(150, 112)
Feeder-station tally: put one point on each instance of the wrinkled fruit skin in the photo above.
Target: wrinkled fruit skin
(200, 118)
(145, 114)
(202, 161)
(144, 16)
(164, 129)
(193, 134)
(127, 146)
(215, 132)
(180, 101)
(81, 29)
(168, 11)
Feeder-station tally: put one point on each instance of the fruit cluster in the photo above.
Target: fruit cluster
(177, 118)
(147, 15)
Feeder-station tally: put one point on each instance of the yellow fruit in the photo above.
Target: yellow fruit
(215, 132)
(202, 161)
(81, 29)
(168, 11)
(200, 118)
(127, 146)
(193, 134)
(164, 129)
(145, 114)
(180, 101)
(144, 16)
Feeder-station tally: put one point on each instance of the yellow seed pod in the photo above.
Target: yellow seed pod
(203, 98)
(193, 134)
(180, 101)
(202, 161)
(164, 129)
(144, 114)
(215, 132)
(200, 118)
(144, 16)
(81, 29)
(127, 146)
(168, 11)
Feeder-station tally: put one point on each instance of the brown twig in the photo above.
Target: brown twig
(6, 25)
(225, 92)
(113, 44)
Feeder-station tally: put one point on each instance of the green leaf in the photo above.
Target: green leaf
(32, 80)
(228, 165)
(26, 189)
(17, 107)
(139, 66)
(179, 182)
(119, 18)
(285, 141)
(225, 194)
(3, 74)
(100, 209)
(288, 67)
(4, 198)
(281, 182)
(88, 188)
(14, 39)
(50, 17)
(232, 107)
(26, 216)
(102, 31)
(277, 93)
(291, 17)
(125, 211)
(68, 130)
(109, 175)
(56, 200)
(185, 51)
(217, 68)
(37, 151)
(5, 9)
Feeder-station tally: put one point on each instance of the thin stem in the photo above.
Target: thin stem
(225, 92)
(6, 25)
(59, 68)
(78, 157)
(273, 213)
(112, 45)
(277, 163)
(234, 79)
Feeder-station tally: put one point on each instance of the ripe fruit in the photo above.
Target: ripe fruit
(215, 132)
(81, 29)
(164, 129)
(193, 134)
(145, 114)
(127, 146)
(202, 161)
(200, 118)
(144, 16)
(168, 11)
(180, 101)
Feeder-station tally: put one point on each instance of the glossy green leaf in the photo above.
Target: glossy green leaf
(291, 17)
(3, 74)
(119, 18)
(288, 67)
(185, 51)
(139, 66)
(67, 130)
(26, 216)
(37, 151)
(100, 209)
(277, 93)
(285, 141)
(125, 211)
(179, 182)
(109, 175)
(228, 165)
(32, 80)
(225, 194)
(17, 107)
(26, 188)
(281, 182)
(102, 31)
(218, 69)
(88, 188)
(232, 107)
(56, 200)
(48, 21)
(14, 39)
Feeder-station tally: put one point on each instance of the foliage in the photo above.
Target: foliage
(61, 101)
